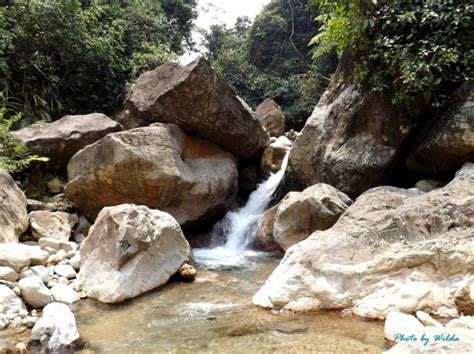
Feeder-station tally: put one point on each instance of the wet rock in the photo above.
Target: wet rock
(393, 249)
(194, 98)
(447, 141)
(273, 156)
(60, 140)
(130, 250)
(271, 116)
(57, 225)
(13, 215)
(157, 166)
(56, 331)
(34, 292)
(187, 272)
(65, 294)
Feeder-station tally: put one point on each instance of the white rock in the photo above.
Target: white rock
(52, 224)
(398, 323)
(42, 272)
(466, 322)
(63, 280)
(75, 261)
(65, 270)
(130, 250)
(34, 292)
(427, 320)
(56, 331)
(30, 321)
(65, 294)
(79, 238)
(8, 274)
(10, 304)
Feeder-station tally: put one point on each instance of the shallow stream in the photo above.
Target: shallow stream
(215, 314)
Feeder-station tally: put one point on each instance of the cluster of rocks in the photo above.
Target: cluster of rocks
(114, 230)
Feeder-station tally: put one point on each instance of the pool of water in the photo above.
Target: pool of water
(215, 314)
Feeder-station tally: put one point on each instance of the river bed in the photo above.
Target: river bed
(215, 314)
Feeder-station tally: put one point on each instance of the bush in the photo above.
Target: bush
(72, 56)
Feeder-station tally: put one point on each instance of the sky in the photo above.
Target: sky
(213, 12)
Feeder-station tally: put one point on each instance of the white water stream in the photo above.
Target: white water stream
(240, 226)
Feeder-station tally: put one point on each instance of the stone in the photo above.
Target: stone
(187, 272)
(65, 270)
(447, 136)
(194, 98)
(427, 185)
(299, 214)
(56, 331)
(427, 320)
(157, 166)
(130, 250)
(13, 215)
(34, 292)
(273, 156)
(271, 116)
(20, 348)
(62, 139)
(464, 298)
(264, 232)
(8, 274)
(10, 304)
(392, 250)
(17, 256)
(65, 294)
(42, 272)
(466, 322)
(401, 323)
(75, 261)
(58, 225)
(82, 227)
(353, 137)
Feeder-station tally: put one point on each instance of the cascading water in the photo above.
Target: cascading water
(240, 226)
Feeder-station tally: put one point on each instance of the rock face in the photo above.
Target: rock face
(273, 156)
(299, 214)
(393, 249)
(56, 225)
(264, 233)
(56, 331)
(13, 215)
(448, 139)
(194, 98)
(352, 138)
(60, 140)
(130, 250)
(157, 166)
(271, 116)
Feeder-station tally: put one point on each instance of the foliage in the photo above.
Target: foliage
(271, 58)
(72, 56)
(14, 156)
(404, 49)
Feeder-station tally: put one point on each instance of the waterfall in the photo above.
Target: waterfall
(240, 226)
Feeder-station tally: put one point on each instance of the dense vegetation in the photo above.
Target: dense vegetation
(272, 58)
(72, 56)
(403, 48)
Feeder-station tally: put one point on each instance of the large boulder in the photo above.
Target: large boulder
(13, 213)
(56, 225)
(129, 251)
(353, 138)
(157, 166)
(393, 249)
(299, 214)
(194, 98)
(56, 331)
(60, 140)
(447, 140)
(271, 116)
